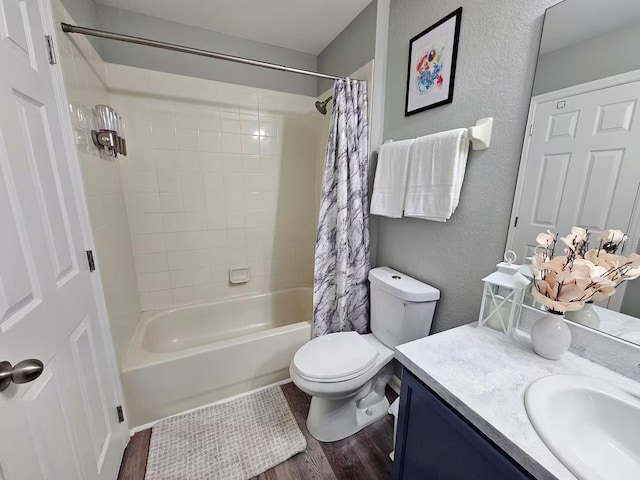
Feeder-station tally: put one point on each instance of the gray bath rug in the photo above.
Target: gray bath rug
(235, 440)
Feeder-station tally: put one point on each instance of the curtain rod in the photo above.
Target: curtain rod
(67, 28)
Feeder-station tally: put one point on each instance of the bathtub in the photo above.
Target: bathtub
(186, 357)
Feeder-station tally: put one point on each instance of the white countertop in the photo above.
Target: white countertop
(484, 376)
(619, 325)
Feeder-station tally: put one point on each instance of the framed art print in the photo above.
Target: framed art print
(432, 65)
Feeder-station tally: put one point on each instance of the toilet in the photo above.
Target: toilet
(346, 373)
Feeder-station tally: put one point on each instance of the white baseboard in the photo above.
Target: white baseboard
(146, 426)
(395, 384)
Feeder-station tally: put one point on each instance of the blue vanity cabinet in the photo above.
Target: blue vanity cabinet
(435, 443)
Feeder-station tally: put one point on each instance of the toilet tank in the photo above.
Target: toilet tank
(401, 307)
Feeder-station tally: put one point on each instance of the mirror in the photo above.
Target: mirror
(581, 155)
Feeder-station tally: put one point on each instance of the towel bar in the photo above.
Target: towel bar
(479, 134)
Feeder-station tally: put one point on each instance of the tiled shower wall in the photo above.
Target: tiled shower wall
(217, 176)
(85, 84)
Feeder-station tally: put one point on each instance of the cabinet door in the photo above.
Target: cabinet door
(435, 443)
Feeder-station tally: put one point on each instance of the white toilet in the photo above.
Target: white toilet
(346, 373)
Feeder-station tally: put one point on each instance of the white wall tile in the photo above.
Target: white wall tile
(180, 278)
(176, 241)
(84, 78)
(187, 139)
(208, 119)
(232, 163)
(151, 262)
(269, 146)
(164, 137)
(230, 142)
(211, 162)
(248, 103)
(156, 300)
(140, 181)
(174, 222)
(201, 276)
(150, 282)
(194, 201)
(169, 182)
(235, 220)
(229, 122)
(202, 293)
(268, 126)
(210, 141)
(207, 186)
(268, 104)
(150, 243)
(249, 124)
(161, 115)
(185, 117)
(250, 144)
(172, 202)
(182, 296)
(140, 223)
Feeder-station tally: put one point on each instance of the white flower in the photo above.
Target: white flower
(579, 232)
(555, 305)
(612, 236)
(546, 239)
(570, 241)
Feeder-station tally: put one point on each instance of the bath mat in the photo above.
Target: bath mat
(235, 440)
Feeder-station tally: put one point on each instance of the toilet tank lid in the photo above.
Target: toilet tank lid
(402, 286)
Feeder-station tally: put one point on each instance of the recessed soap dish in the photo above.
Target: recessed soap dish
(239, 274)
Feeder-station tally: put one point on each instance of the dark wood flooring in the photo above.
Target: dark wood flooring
(364, 455)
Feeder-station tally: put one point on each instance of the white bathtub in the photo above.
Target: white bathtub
(186, 357)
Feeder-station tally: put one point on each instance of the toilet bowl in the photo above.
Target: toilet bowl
(346, 373)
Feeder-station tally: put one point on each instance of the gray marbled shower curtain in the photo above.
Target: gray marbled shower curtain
(340, 290)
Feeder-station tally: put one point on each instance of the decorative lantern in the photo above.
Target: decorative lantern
(503, 296)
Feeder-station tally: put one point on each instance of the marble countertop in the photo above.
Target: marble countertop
(619, 325)
(484, 376)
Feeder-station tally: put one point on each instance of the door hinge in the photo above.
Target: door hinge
(120, 414)
(515, 222)
(531, 130)
(91, 261)
(51, 49)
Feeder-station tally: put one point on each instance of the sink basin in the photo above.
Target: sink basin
(590, 425)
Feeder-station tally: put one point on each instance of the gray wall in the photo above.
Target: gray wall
(351, 49)
(86, 12)
(631, 302)
(608, 54)
(496, 61)
(155, 59)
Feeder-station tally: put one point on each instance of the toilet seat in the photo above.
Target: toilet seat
(335, 357)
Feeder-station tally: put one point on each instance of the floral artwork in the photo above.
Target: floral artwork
(432, 64)
(566, 282)
(429, 70)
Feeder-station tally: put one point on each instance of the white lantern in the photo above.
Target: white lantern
(503, 296)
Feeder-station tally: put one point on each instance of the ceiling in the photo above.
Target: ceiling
(574, 21)
(303, 25)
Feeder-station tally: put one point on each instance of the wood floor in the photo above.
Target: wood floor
(364, 455)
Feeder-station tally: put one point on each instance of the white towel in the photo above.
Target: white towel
(391, 179)
(436, 170)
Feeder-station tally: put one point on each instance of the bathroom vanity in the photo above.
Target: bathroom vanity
(462, 410)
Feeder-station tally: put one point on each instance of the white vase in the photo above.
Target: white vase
(550, 336)
(586, 316)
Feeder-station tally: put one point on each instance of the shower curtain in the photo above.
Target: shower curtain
(340, 290)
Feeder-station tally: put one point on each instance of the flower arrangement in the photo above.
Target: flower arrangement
(565, 282)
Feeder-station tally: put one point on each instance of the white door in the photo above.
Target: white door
(582, 167)
(64, 424)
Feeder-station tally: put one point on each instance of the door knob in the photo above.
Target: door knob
(24, 372)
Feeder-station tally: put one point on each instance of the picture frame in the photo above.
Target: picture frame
(431, 72)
